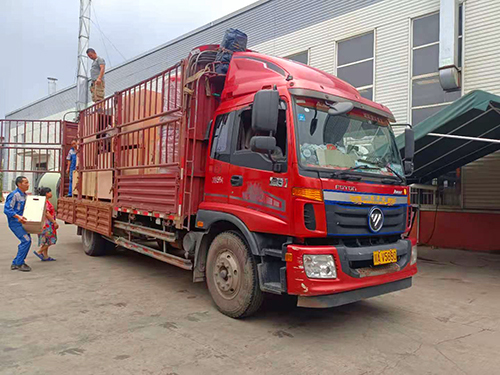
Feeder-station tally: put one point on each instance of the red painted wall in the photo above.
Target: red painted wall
(460, 230)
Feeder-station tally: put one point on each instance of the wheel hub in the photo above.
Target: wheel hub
(227, 275)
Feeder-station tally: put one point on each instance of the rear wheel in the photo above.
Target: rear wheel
(93, 243)
(232, 276)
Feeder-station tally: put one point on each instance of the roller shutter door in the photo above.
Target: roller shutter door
(481, 183)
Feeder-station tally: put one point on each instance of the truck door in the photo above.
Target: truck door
(255, 189)
(217, 182)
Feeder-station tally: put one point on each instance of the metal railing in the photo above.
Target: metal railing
(30, 146)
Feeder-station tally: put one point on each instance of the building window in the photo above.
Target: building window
(355, 63)
(427, 95)
(301, 57)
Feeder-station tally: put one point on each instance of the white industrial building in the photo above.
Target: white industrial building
(388, 49)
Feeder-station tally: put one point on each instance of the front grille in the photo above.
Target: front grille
(352, 220)
(353, 241)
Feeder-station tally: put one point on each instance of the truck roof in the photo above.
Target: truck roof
(258, 71)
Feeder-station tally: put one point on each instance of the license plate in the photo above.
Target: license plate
(385, 256)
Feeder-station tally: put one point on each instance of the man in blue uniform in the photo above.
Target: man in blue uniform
(14, 209)
(71, 165)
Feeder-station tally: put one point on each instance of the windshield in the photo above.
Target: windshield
(359, 142)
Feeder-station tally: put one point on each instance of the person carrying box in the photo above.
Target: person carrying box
(14, 209)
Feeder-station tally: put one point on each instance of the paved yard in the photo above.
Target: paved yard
(129, 314)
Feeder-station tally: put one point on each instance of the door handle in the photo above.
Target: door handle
(236, 180)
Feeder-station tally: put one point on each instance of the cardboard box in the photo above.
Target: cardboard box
(34, 212)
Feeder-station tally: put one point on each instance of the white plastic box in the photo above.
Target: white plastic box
(34, 212)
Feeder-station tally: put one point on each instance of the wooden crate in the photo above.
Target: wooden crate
(89, 180)
(104, 185)
(76, 177)
(140, 104)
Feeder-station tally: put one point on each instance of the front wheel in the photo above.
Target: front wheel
(93, 243)
(232, 276)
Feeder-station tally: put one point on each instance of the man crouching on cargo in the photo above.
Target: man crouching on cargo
(96, 75)
(14, 209)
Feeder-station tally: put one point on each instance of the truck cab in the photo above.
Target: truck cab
(305, 173)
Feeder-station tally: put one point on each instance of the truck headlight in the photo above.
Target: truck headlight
(413, 258)
(320, 266)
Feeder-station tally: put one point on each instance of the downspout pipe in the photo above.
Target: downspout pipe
(449, 73)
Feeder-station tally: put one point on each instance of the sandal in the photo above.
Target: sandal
(39, 255)
(49, 259)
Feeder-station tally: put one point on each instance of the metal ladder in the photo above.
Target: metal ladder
(189, 165)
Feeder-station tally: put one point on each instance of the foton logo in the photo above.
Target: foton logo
(345, 188)
(373, 199)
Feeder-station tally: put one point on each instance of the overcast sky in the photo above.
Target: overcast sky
(39, 38)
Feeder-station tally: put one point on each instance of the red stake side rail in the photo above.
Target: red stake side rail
(134, 135)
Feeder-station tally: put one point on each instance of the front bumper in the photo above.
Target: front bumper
(348, 278)
(339, 299)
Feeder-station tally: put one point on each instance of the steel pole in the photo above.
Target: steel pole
(83, 45)
(465, 138)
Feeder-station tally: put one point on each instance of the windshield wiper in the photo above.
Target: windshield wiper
(395, 173)
(345, 175)
(362, 167)
(380, 166)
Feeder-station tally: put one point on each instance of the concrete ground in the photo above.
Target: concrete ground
(130, 314)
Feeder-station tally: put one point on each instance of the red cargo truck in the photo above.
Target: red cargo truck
(274, 178)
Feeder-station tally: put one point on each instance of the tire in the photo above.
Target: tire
(231, 275)
(93, 243)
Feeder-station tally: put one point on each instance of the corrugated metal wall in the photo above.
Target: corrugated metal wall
(391, 21)
(481, 179)
(482, 45)
(481, 183)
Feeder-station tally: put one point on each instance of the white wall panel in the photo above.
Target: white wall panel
(482, 46)
(322, 57)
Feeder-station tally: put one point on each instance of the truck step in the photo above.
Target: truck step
(272, 287)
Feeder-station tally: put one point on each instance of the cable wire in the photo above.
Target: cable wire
(103, 34)
(105, 49)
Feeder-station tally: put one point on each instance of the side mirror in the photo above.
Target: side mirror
(340, 108)
(265, 111)
(262, 144)
(408, 167)
(409, 144)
